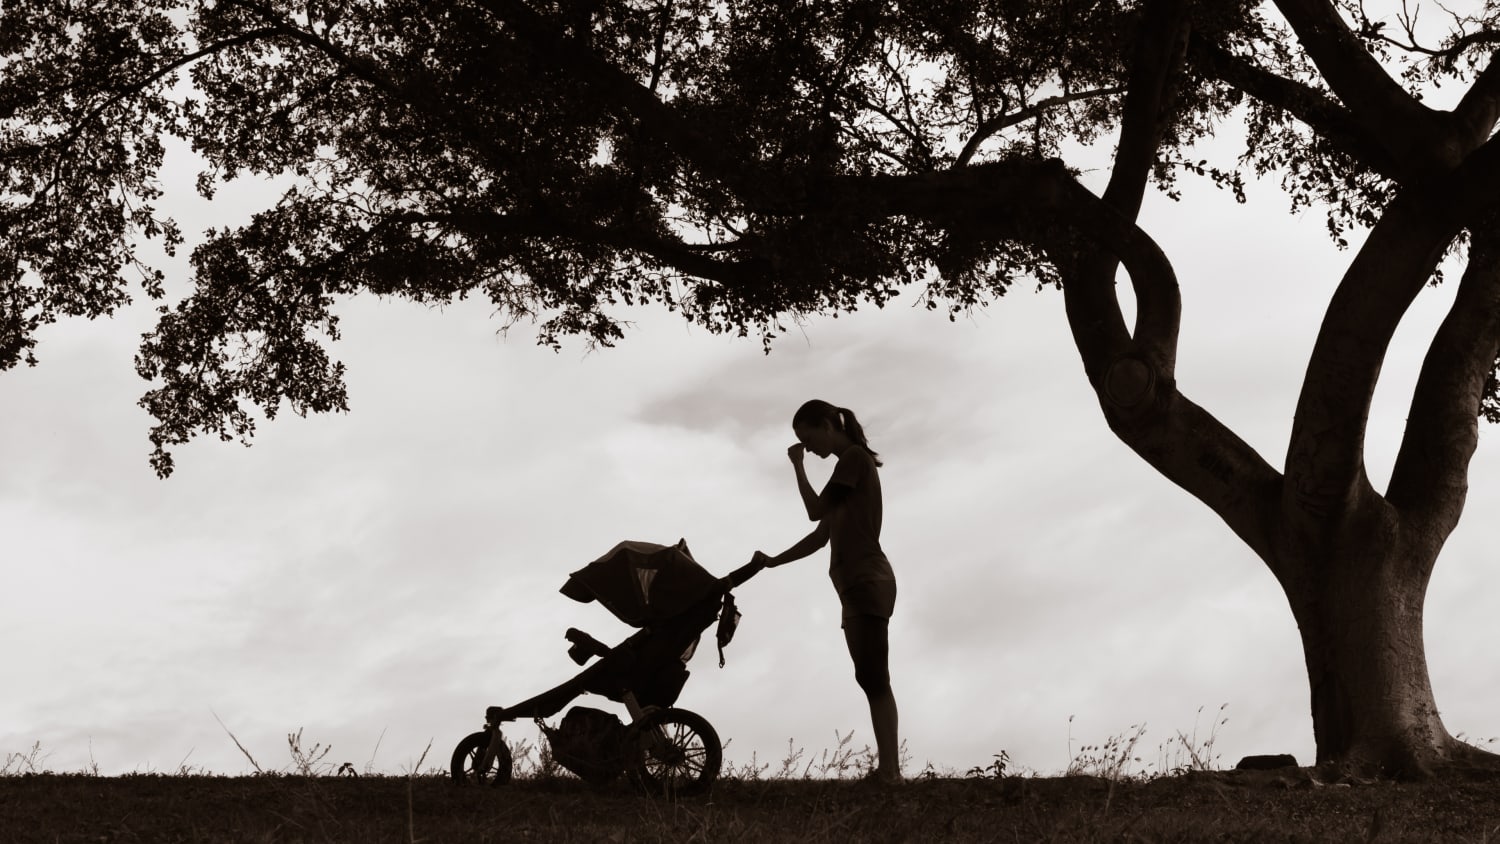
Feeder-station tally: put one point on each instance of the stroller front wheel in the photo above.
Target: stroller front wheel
(673, 753)
(468, 761)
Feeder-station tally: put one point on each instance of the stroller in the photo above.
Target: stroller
(666, 751)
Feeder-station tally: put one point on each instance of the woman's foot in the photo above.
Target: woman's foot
(882, 777)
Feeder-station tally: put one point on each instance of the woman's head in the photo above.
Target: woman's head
(828, 429)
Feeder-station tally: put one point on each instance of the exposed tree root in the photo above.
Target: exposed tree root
(1471, 763)
(1457, 760)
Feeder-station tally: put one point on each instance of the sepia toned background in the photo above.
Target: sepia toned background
(377, 579)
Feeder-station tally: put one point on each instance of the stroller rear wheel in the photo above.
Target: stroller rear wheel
(468, 761)
(673, 753)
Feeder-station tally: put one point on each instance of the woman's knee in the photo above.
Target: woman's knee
(875, 680)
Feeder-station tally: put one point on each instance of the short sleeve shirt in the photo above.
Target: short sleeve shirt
(854, 525)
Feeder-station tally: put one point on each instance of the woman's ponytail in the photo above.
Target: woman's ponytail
(856, 432)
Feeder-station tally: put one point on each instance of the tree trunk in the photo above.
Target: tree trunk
(1354, 565)
(1358, 605)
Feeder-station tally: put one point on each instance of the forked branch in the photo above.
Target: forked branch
(1320, 112)
(1409, 130)
(1092, 304)
(1325, 458)
(1000, 122)
(1429, 480)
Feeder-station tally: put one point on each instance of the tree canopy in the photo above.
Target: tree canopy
(739, 161)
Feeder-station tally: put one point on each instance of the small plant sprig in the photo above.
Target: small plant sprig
(1187, 752)
(29, 761)
(837, 761)
(308, 763)
(1111, 760)
(752, 771)
(995, 770)
(1483, 744)
(789, 763)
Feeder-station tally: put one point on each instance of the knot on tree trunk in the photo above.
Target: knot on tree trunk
(1128, 383)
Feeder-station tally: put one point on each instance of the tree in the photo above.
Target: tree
(746, 160)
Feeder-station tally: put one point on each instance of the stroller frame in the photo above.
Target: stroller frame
(664, 750)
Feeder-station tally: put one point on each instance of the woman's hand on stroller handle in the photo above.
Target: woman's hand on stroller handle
(747, 571)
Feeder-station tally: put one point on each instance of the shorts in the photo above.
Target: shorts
(869, 597)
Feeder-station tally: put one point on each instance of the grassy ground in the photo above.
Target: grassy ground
(1104, 795)
(1201, 806)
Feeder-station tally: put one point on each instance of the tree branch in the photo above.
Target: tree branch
(681, 256)
(65, 144)
(1194, 450)
(1457, 47)
(1163, 44)
(453, 117)
(1325, 458)
(1477, 113)
(1472, 191)
(1319, 112)
(999, 123)
(1134, 376)
(628, 97)
(1430, 479)
(1092, 305)
(1409, 130)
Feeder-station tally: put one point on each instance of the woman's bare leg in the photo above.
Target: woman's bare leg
(869, 647)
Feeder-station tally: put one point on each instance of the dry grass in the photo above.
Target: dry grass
(1107, 794)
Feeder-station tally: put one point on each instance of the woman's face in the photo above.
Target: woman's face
(819, 438)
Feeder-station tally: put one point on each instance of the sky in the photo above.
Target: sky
(376, 579)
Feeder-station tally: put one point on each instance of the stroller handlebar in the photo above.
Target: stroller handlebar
(744, 573)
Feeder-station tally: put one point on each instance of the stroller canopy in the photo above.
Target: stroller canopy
(643, 582)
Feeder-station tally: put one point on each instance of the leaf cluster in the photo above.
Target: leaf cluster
(564, 160)
(82, 118)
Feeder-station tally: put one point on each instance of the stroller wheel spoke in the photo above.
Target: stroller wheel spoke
(468, 761)
(679, 753)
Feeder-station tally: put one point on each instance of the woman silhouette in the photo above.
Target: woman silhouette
(848, 513)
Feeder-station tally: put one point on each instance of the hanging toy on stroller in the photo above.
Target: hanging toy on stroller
(664, 592)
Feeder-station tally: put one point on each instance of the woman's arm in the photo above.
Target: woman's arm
(797, 453)
(817, 506)
(804, 547)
